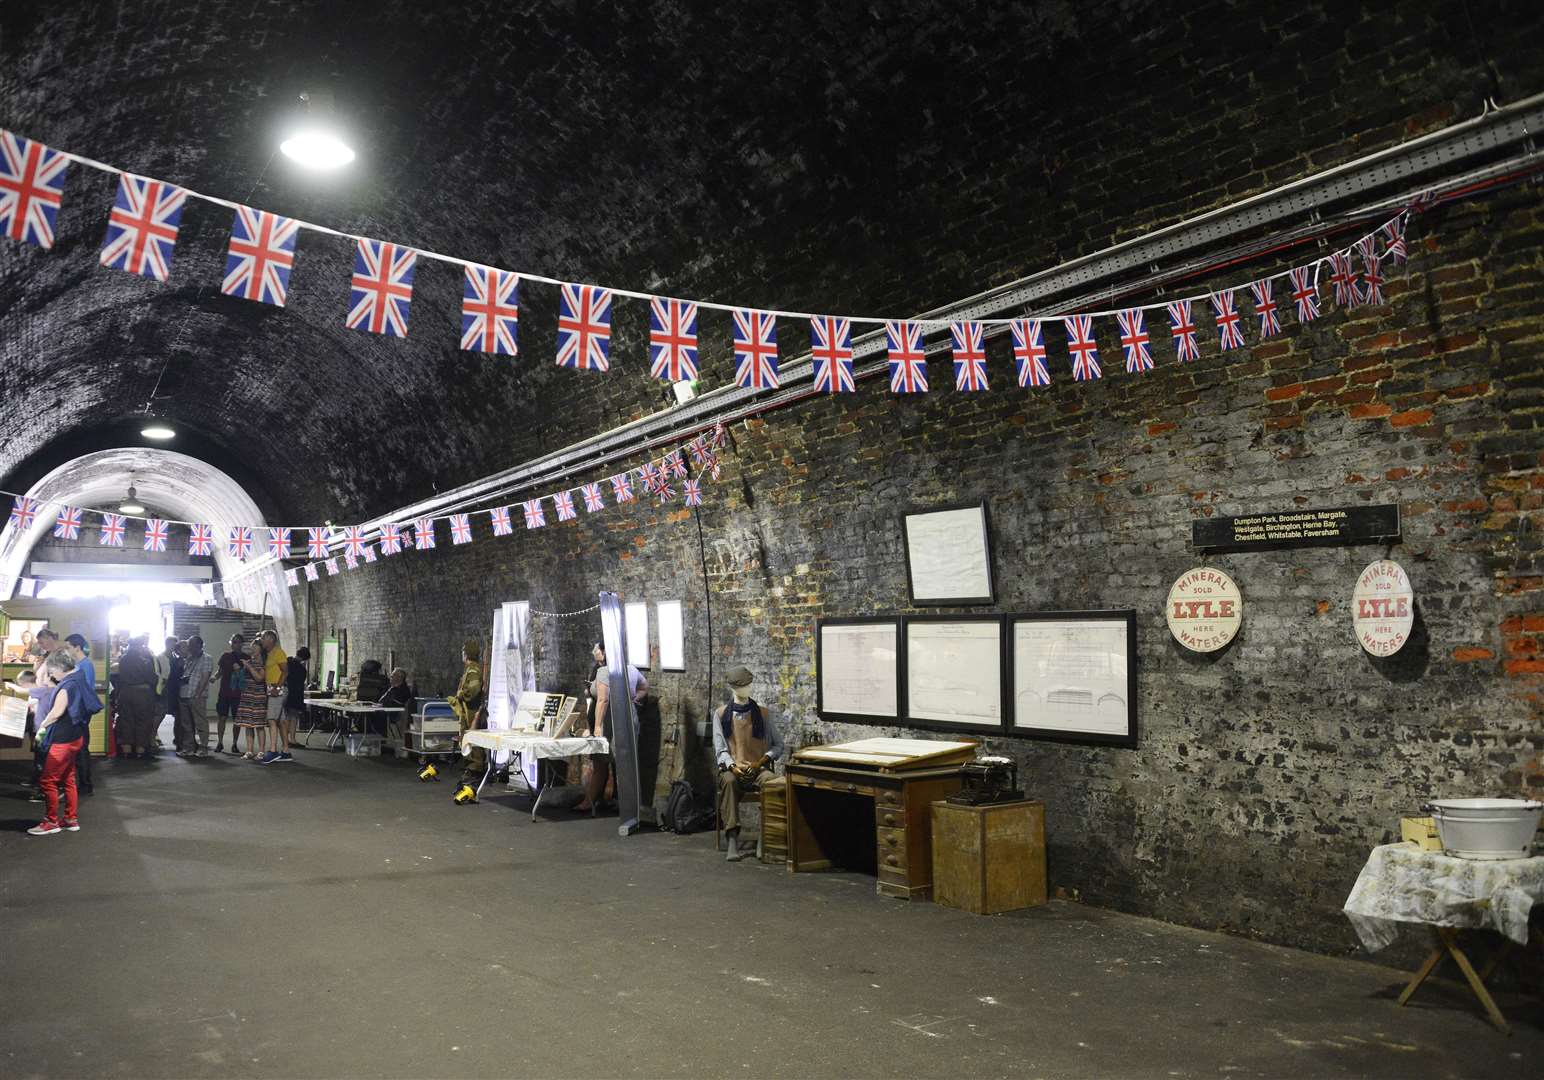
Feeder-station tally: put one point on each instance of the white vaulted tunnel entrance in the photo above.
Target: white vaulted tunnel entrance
(171, 486)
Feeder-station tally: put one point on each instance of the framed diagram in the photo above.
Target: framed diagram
(948, 555)
(952, 672)
(857, 668)
(1074, 676)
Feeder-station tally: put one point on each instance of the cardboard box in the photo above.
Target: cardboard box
(1421, 831)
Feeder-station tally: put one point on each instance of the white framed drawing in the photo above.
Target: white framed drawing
(952, 671)
(948, 555)
(672, 635)
(1074, 676)
(857, 666)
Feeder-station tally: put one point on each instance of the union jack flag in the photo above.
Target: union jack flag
(1265, 307)
(369, 553)
(332, 566)
(672, 339)
(112, 530)
(311, 572)
(1344, 280)
(262, 252)
(665, 492)
(908, 363)
(1029, 352)
(354, 540)
(1372, 281)
(67, 527)
(201, 540)
(351, 560)
(1182, 325)
(391, 539)
(622, 487)
(1082, 347)
(1305, 292)
(699, 449)
(278, 542)
(1133, 339)
(755, 349)
(490, 311)
(23, 510)
(720, 435)
(423, 534)
(1228, 330)
(831, 349)
(651, 476)
(535, 517)
(564, 501)
(675, 464)
(31, 188)
(460, 528)
(316, 543)
(969, 356)
(1394, 239)
(142, 228)
(292, 577)
(238, 542)
(382, 288)
(584, 327)
(693, 489)
(499, 515)
(592, 497)
(155, 535)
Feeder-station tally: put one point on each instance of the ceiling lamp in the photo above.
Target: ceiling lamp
(131, 504)
(315, 142)
(159, 432)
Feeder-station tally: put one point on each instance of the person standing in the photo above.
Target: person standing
(193, 699)
(599, 779)
(61, 737)
(171, 691)
(228, 696)
(275, 667)
(467, 704)
(137, 718)
(84, 699)
(294, 697)
(252, 701)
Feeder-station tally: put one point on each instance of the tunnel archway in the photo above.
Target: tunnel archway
(183, 487)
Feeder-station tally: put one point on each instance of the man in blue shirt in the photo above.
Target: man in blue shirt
(83, 702)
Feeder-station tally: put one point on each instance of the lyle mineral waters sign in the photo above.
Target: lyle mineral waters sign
(1205, 609)
(1383, 608)
(1298, 528)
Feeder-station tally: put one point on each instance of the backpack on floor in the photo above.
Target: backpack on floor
(684, 812)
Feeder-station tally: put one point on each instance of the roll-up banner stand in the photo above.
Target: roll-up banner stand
(624, 716)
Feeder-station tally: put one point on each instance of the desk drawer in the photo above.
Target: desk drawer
(892, 849)
(889, 817)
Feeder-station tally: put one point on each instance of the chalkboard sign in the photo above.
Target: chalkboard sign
(1299, 528)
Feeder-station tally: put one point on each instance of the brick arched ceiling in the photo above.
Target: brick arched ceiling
(878, 158)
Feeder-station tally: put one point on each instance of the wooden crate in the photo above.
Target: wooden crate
(989, 859)
(774, 821)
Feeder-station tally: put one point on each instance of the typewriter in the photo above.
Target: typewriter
(988, 780)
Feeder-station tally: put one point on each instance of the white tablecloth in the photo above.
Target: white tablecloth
(534, 744)
(1403, 884)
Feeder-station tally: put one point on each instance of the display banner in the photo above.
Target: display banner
(1298, 528)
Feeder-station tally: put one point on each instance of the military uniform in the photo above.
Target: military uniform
(467, 704)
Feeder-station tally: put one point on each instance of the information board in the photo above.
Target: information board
(858, 668)
(1298, 528)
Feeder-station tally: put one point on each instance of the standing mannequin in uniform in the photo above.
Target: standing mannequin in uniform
(467, 704)
(746, 745)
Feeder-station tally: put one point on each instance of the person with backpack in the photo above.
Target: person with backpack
(746, 746)
(60, 736)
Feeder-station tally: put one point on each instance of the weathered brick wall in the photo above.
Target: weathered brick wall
(1263, 774)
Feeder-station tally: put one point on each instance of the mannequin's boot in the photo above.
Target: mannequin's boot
(734, 854)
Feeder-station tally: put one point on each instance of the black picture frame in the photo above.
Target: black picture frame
(820, 690)
(933, 724)
(1127, 738)
(986, 541)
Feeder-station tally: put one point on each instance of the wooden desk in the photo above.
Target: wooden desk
(829, 811)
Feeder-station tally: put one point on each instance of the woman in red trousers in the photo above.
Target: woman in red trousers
(61, 737)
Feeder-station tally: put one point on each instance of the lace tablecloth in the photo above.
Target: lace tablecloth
(532, 745)
(1403, 884)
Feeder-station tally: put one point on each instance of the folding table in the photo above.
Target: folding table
(533, 746)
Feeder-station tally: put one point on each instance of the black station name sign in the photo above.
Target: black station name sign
(1299, 528)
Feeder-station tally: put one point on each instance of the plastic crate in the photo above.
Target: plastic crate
(362, 745)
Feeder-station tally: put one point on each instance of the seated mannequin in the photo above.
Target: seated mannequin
(746, 744)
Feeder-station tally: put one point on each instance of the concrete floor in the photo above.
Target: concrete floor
(336, 918)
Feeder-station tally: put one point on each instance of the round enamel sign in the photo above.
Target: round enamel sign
(1383, 608)
(1205, 609)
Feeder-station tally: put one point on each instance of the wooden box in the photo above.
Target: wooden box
(774, 821)
(1421, 831)
(988, 859)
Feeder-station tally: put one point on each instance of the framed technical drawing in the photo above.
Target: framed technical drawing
(1074, 676)
(952, 672)
(857, 667)
(948, 555)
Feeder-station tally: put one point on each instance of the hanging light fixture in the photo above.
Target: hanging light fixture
(131, 504)
(315, 142)
(158, 431)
